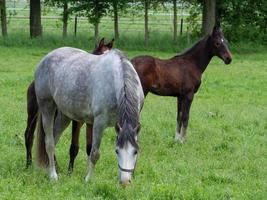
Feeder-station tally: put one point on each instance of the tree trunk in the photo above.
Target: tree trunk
(3, 17)
(35, 18)
(65, 19)
(116, 20)
(208, 16)
(175, 20)
(96, 32)
(146, 22)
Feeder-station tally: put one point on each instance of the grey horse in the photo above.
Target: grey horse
(102, 91)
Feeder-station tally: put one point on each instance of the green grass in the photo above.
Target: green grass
(225, 156)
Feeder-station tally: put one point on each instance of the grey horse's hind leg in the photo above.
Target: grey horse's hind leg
(61, 123)
(98, 128)
(47, 109)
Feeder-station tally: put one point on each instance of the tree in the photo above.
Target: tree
(65, 18)
(208, 16)
(147, 4)
(116, 19)
(35, 18)
(116, 6)
(65, 15)
(146, 7)
(175, 20)
(94, 10)
(3, 17)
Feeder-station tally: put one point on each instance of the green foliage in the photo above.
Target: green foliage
(93, 9)
(194, 26)
(244, 20)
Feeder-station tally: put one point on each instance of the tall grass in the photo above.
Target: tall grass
(160, 42)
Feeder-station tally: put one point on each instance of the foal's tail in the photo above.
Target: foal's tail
(42, 157)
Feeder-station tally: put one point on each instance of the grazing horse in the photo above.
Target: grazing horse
(100, 91)
(180, 76)
(32, 110)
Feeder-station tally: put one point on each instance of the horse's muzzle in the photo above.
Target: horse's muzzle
(227, 60)
(125, 183)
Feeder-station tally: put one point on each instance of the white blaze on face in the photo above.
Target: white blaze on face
(126, 160)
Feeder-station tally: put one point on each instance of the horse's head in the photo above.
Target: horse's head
(126, 150)
(102, 47)
(219, 45)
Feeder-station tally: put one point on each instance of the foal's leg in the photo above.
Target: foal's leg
(185, 108)
(48, 109)
(98, 128)
(179, 118)
(74, 147)
(32, 110)
(89, 138)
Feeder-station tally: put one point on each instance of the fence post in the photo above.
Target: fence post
(75, 26)
(181, 27)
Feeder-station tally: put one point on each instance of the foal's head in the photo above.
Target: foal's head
(126, 150)
(219, 45)
(102, 47)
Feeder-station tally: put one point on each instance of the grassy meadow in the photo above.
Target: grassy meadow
(224, 157)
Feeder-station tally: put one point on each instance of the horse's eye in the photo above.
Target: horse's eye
(116, 151)
(217, 44)
(135, 152)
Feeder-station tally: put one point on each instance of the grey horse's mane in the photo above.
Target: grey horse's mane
(128, 109)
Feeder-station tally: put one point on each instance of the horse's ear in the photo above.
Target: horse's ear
(216, 29)
(217, 25)
(110, 44)
(137, 128)
(102, 42)
(118, 128)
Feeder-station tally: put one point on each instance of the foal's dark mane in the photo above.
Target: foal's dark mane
(200, 53)
(128, 110)
(191, 49)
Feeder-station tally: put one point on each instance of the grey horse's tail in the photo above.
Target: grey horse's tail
(42, 157)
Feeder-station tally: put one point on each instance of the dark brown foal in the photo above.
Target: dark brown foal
(180, 76)
(32, 110)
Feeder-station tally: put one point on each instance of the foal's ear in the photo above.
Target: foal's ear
(216, 30)
(137, 128)
(110, 44)
(118, 128)
(102, 42)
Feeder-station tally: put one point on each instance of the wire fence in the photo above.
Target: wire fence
(160, 21)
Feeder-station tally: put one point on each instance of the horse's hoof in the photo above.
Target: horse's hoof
(54, 177)
(179, 138)
(69, 172)
(87, 179)
(28, 166)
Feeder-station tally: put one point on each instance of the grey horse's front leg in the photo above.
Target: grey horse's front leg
(98, 128)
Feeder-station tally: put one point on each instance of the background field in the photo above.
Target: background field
(225, 156)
